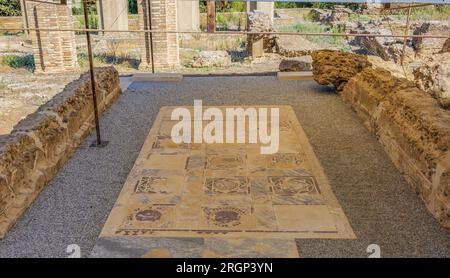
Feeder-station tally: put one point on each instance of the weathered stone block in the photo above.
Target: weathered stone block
(300, 64)
(332, 67)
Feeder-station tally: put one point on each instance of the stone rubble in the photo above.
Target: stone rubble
(387, 48)
(337, 14)
(433, 76)
(295, 46)
(428, 46)
(318, 15)
(258, 21)
(217, 58)
(303, 63)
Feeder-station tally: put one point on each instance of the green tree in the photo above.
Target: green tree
(9, 8)
(132, 6)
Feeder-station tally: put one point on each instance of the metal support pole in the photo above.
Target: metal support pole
(151, 34)
(406, 33)
(23, 4)
(98, 142)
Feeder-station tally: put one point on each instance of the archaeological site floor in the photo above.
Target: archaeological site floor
(226, 192)
(345, 192)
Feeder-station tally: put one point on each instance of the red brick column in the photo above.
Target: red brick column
(163, 16)
(53, 51)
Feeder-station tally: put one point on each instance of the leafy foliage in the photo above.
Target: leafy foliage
(225, 6)
(318, 5)
(14, 61)
(132, 6)
(9, 8)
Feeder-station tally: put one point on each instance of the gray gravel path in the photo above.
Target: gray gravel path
(377, 201)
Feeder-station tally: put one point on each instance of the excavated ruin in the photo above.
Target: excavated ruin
(412, 127)
(40, 144)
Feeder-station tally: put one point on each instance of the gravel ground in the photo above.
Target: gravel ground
(377, 201)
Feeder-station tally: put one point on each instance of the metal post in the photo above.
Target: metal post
(406, 33)
(149, 9)
(98, 143)
(23, 4)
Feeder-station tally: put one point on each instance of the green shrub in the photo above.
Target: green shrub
(288, 5)
(132, 6)
(221, 22)
(318, 28)
(14, 61)
(83, 59)
(238, 6)
(9, 8)
(93, 20)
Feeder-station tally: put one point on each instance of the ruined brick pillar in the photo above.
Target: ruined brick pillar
(53, 51)
(161, 16)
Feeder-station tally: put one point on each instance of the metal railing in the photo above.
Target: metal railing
(88, 32)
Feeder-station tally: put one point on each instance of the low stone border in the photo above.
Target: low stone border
(40, 144)
(409, 123)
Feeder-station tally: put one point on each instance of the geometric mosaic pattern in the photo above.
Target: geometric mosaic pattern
(227, 190)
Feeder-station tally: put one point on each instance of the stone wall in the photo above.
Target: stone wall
(162, 15)
(410, 125)
(41, 143)
(53, 51)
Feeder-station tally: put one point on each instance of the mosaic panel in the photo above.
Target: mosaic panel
(227, 190)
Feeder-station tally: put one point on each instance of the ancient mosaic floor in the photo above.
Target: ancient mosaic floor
(219, 200)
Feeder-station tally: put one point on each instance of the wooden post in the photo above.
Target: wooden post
(211, 16)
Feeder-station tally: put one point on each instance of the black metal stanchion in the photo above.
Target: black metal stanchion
(98, 142)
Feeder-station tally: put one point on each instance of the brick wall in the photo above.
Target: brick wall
(163, 16)
(53, 51)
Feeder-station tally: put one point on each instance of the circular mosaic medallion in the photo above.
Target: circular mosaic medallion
(226, 185)
(148, 215)
(297, 186)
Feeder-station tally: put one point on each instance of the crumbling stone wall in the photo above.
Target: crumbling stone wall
(160, 15)
(411, 126)
(53, 51)
(258, 44)
(41, 143)
(413, 129)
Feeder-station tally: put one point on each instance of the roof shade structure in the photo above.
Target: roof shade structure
(355, 1)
